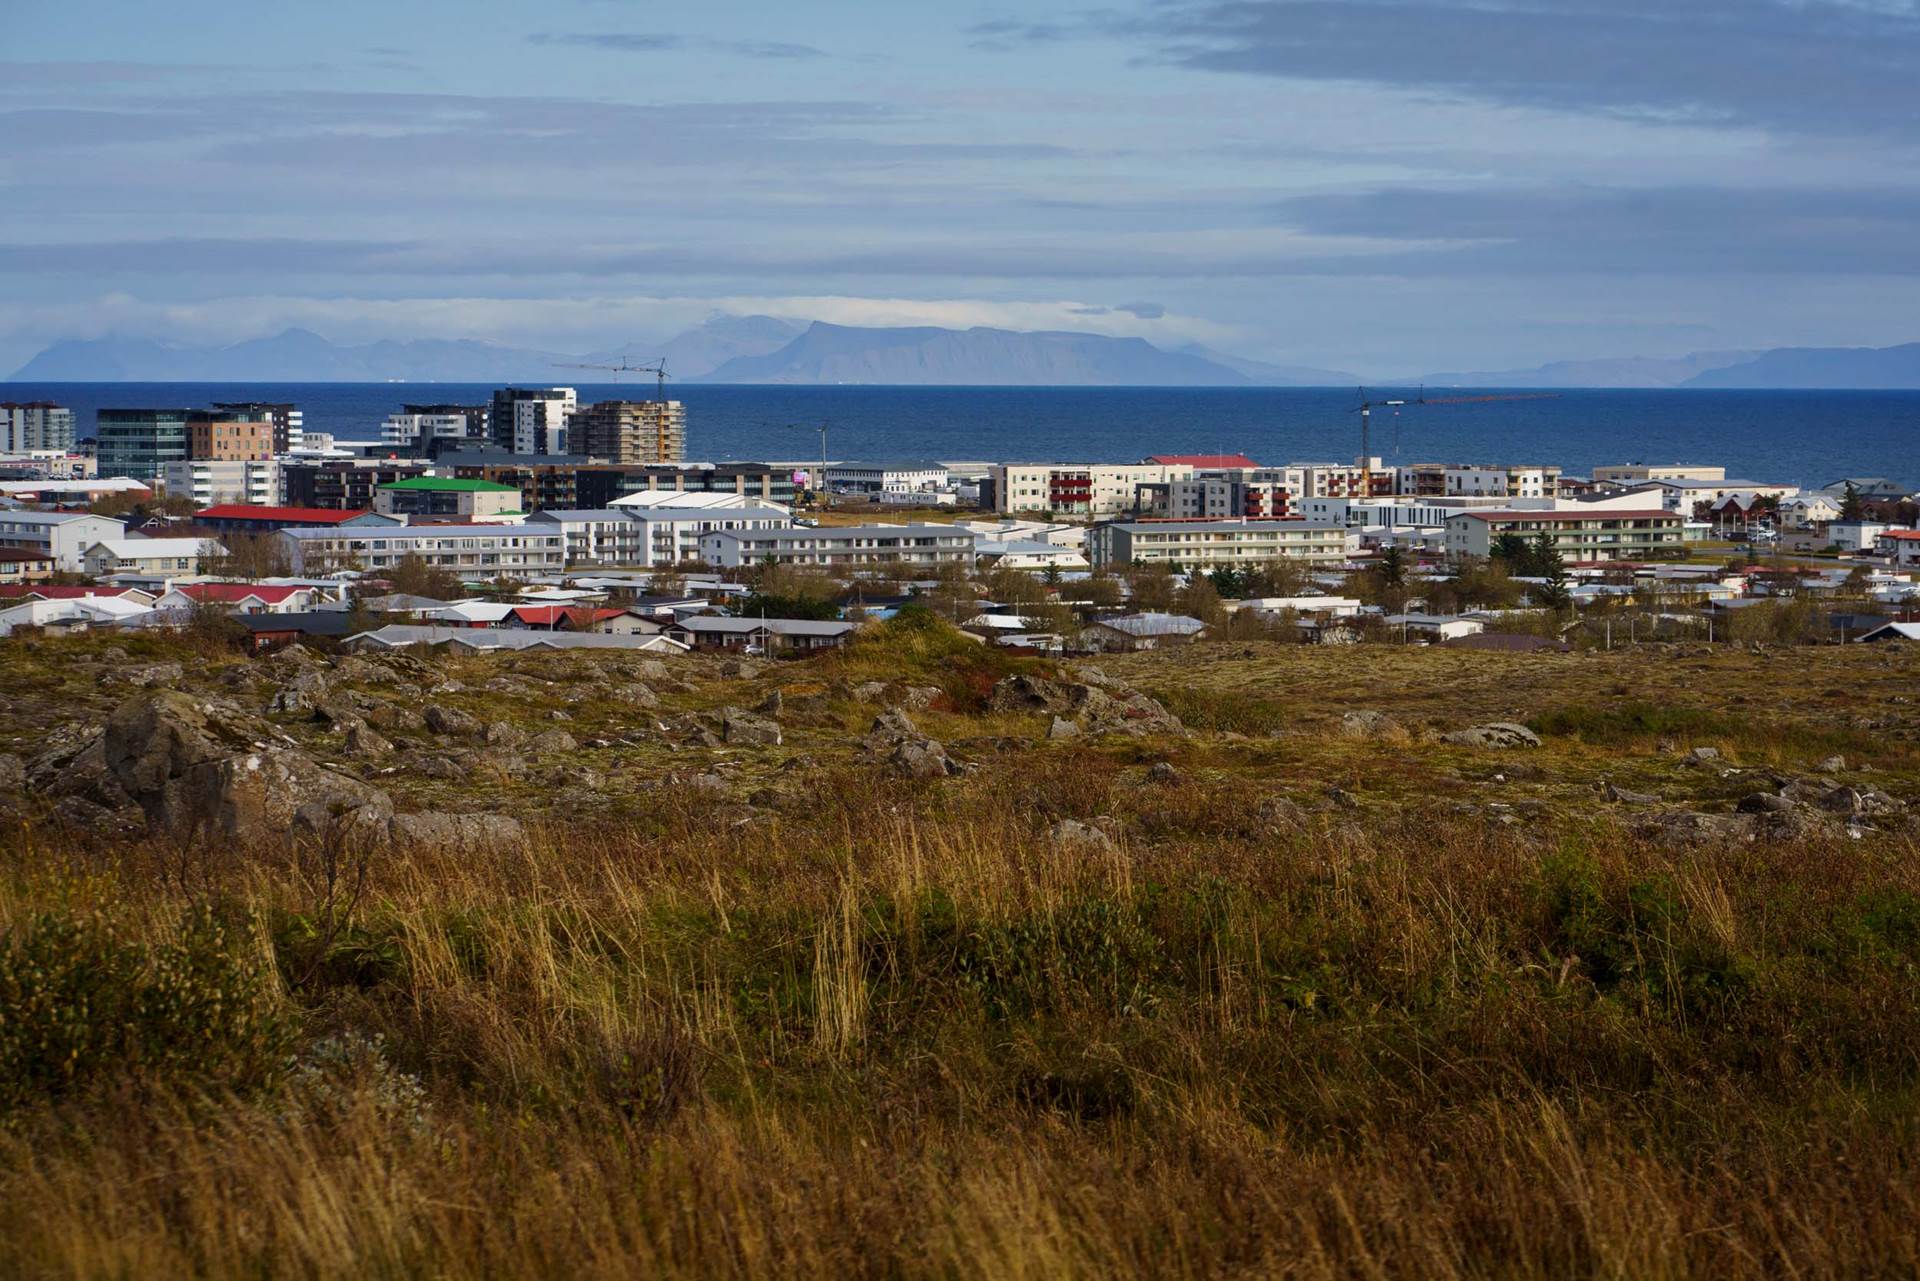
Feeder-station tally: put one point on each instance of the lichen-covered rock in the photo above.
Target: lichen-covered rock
(1372, 725)
(744, 728)
(551, 742)
(452, 721)
(1498, 734)
(467, 832)
(396, 718)
(1085, 838)
(1063, 728)
(363, 740)
(922, 758)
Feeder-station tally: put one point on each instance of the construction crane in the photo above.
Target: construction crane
(1366, 407)
(659, 371)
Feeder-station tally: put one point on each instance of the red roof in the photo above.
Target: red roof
(233, 593)
(1202, 460)
(1903, 535)
(540, 615)
(278, 515)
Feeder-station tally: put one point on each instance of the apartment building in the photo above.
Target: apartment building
(64, 536)
(288, 422)
(631, 431)
(35, 426)
(446, 498)
(248, 518)
(1606, 534)
(764, 482)
(1209, 544)
(230, 436)
(475, 552)
(849, 547)
(208, 481)
(1215, 497)
(1078, 489)
(340, 483)
(416, 427)
(531, 420)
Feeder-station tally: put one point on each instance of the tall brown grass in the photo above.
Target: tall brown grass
(916, 1037)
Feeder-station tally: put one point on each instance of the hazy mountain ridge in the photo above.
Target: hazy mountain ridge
(1821, 369)
(1620, 372)
(928, 356)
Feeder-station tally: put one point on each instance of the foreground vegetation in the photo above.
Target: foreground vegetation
(1288, 1002)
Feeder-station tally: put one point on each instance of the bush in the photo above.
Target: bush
(80, 1005)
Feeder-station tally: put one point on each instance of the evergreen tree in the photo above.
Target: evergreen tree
(1852, 506)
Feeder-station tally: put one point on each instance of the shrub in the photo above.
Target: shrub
(81, 1004)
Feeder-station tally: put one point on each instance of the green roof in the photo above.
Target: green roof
(448, 485)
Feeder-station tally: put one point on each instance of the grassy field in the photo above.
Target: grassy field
(1317, 1006)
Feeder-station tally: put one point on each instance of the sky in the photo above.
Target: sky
(1389, 186)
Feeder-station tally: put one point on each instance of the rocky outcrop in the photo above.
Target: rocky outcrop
(1498, 734)
(465, 832)
(748, 729)
(1114, 709)
(452, 721)
(897, 740)
(197, 768)
(1373, 725)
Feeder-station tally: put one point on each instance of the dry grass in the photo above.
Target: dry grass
(899, 1032)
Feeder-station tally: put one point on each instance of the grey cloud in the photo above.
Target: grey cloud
(1143, 310)
(1088, 311)
(1704, 230)
(1795, 65)
(664, 42)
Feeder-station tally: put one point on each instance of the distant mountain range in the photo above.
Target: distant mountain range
(766, 349)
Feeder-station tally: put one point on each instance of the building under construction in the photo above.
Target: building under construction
(631, 431)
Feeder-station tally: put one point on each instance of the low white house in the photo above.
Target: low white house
(1434, 627)
(65, 536)
(151, 556)
(72, 614)
(1900, 546)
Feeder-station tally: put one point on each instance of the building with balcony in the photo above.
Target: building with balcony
(631, 431)
(1210, 544)
(208, 481)
(474, 552)
(852, 547)
(288, 422)
(446, 498)
(531, 420)
(37, 426)
(1607, 534)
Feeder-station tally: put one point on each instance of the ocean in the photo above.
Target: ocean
(1805, 438)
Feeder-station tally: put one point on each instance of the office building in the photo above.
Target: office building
(289, 423)
(531, 420)
(885, 478)
(1210, 544)
(38, 426)
(631, 431)
(446, 498)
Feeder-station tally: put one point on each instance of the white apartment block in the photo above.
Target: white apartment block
(34, 427)
(849, 547)
(411, 431)
(65, 536)
(1209, 544)
(1090, 489)
(651, 537)
(475, 552)
(1608, 534)
(208, 481)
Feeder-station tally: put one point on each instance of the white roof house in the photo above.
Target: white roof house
(72, 614)
(151, 555)
(693, 500)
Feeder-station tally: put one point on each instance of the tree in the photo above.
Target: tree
(1051, 575)
(1152, 588)
(1511, 550)
(1198, 599)
(1099, 591)
(1852, 506)
(252, 556)
(1393, 566)
(666, 582)
(1014, 588)
(1555, 593)
(411, 575)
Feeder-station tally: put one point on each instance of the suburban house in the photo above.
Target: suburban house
(251, 518)
(269, 631)
(72, 614)
(1649, 533)
(153, 557)
(474, 552)
(241, 598)
(1208, 544)
(19, 565)
(1130, 632)
(1433, 627)
(1900, 546)
(489, 639)
(65, 536)
(769, 635)
(1805, 510)
(850, 546)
